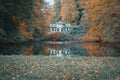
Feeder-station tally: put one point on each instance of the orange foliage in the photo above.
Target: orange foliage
(37, 11)
(99, 14)
(22, 29)
(94, 49)
(68, 10)
(28, 50)
(49, 15)
(47, 49)
(56, 36)
(38, 3)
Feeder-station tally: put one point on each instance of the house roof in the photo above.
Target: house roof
(60, 22)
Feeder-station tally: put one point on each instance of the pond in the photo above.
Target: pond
(62, 49)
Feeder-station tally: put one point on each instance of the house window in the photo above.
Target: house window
(58, 29)
(52, 29)
(61, 29)
(67, 29)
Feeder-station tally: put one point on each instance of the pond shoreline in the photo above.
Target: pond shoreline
(34, 41)
(66, 48)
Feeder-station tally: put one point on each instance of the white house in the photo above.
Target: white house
(60, 27)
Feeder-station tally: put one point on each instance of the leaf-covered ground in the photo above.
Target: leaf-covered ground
(59, 68)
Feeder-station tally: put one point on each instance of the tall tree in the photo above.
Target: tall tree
(19, 18)
(104, 18)
(69, 11)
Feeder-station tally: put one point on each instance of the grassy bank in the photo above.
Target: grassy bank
(59, 68)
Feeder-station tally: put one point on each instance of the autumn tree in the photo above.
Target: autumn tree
(103, 16)
(20, 19)
(69, 11)
(57, 6)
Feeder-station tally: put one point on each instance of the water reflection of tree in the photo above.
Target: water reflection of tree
(11, 49)
(102, 49)
(23, 49)
(76, 49)
(28, 51)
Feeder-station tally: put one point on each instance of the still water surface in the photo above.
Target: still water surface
(62, 49)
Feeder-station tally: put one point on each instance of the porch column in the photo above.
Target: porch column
(65, 29)
(66, 52)
(59, 29)
(50, 29)
(69, 28)
(54, 29)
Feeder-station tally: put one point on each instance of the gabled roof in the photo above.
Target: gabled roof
(60, 22)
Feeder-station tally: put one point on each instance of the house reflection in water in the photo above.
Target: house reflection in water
(59, 53)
